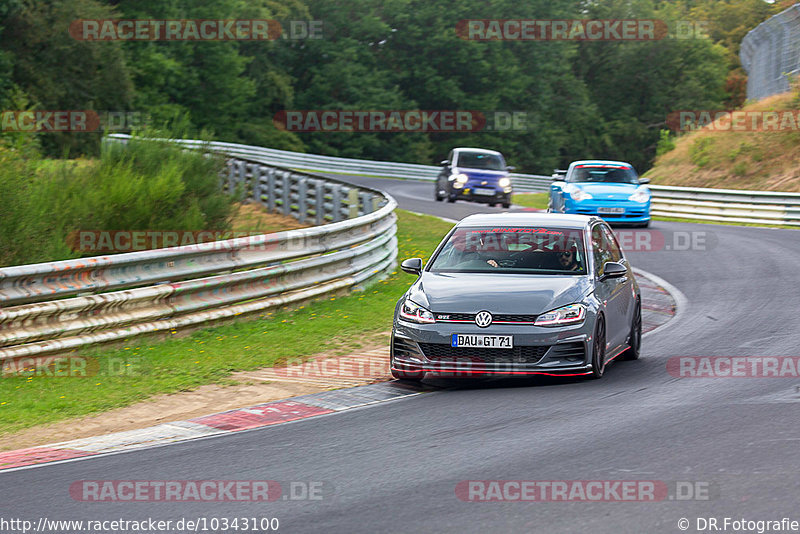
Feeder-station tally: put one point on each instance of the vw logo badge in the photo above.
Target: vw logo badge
(483, 319)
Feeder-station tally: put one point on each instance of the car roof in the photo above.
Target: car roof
(599, 162)
(481, 150)
(544, 220)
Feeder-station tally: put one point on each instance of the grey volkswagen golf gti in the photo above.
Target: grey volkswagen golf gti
(518, 294)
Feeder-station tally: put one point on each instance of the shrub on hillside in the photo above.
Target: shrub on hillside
(144, 185)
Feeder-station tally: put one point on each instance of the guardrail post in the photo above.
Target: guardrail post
(365, 203)
(228, 178)
(240, 177)
(319, 209)
(271, 190)
(286, 189)
(302, 191)
(352, 202)
(336, 201)
(250, 177)
(261, 171)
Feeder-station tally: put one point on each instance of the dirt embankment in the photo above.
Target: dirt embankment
(716, 156)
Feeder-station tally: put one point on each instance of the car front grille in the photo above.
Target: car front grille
(470, 318)
(442, 352)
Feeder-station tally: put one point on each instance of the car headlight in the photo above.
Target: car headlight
(504, 182)
(579, 195)
(411, 311)
(572, 314)
(640, 195)
(459, 178)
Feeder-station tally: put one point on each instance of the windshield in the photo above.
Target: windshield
(480, 160)
(604, 173)
(532, 250)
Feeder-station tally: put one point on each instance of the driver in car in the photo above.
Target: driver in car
(536, 257)
(568, 259)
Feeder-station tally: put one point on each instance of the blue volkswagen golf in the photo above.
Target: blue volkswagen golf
(476, 175)
(609, 189)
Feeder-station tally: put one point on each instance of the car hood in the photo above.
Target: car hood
(497, 293)
(606, 191)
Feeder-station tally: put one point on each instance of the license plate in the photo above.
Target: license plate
(611, 210)
(483, 191)
(482, 341)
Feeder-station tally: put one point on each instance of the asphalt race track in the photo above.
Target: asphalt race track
(394, 467)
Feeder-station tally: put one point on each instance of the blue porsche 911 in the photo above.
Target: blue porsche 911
(608, 189)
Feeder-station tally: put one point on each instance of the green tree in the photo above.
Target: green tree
(58, 72)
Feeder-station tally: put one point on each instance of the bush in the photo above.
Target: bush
(666, 143)
(144, 185)
(701, 150)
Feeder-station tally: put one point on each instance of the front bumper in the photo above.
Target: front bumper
(634, 212)
(468, 193)
(562, 351)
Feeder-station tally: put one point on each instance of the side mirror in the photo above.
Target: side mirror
(444, 162)
(644, 181)
(412, 266)
(613, 269)
(510, 168)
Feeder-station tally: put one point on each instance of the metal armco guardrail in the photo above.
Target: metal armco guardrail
(721, 205)
(334, 165)
(59, 306)
(726, 205)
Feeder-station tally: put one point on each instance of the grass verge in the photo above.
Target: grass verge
(532, 200)
(148, 367)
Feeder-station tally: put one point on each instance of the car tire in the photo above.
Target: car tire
(645, 225)
(635, 337)
(492, 204)
(451, 199)
(599, 349)
(550, 205)
(437, 193)
(506, 205)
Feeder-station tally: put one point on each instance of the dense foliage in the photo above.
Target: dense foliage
(142, 186)
(582, 99)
